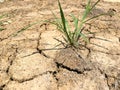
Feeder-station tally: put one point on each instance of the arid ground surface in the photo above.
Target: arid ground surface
(31, 60)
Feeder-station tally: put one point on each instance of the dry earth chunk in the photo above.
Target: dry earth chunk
(30, 66)
(44, 82)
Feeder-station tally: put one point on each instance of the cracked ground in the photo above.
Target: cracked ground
(37, 59)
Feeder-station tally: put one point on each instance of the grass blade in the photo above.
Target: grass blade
(95, 17)
(87, 11)
(75, 20)
(64, 22)
(94, 5)
(23, 29)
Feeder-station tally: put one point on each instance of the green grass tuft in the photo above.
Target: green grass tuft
(72, 36)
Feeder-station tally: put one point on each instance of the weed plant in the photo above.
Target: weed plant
(72, 37)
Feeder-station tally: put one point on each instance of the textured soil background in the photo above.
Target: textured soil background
(31, 60)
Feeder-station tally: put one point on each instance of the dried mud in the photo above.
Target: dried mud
(34, 60)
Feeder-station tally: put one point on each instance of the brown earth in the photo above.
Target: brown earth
(31, 60)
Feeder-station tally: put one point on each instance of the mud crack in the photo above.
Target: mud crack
(1, 88)
(72, 70)
(106, 76)
(33, 77)
(11, 58)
